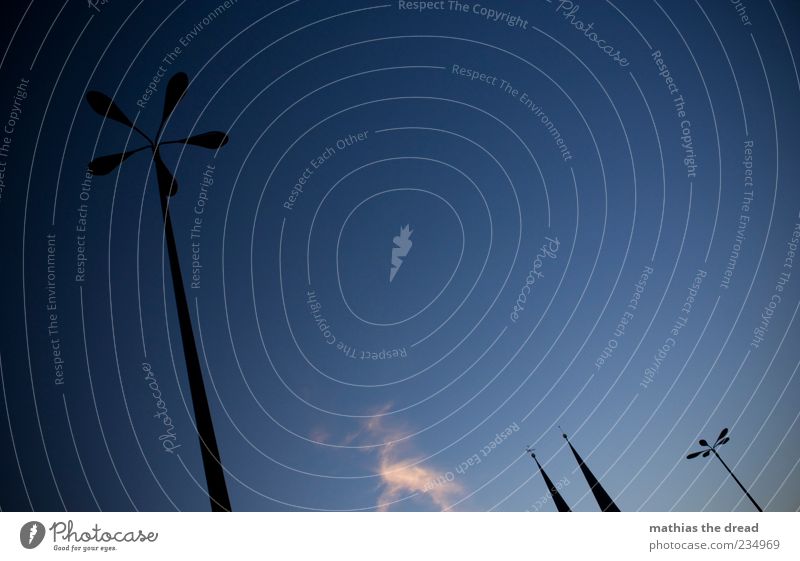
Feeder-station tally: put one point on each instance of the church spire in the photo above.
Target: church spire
(559, 501)
(604, 501)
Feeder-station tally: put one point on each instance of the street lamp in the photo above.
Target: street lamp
(103, 165)
(723, 438)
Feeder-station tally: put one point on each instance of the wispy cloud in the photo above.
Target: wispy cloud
(401, 469)
(400, 476)
(320, 434)
(399, 466)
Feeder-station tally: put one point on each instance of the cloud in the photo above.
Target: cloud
(402, 476)
(319, 434)
(401, 469)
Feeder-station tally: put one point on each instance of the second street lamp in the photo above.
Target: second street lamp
(723, 438)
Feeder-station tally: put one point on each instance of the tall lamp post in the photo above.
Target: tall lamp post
(167, 186)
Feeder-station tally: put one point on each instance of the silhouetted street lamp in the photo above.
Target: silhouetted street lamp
(722, 439)
(103, 165)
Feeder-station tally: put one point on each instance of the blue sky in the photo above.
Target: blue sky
(333, 388)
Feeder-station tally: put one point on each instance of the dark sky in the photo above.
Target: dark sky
(603, 208)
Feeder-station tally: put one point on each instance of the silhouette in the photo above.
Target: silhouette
(168, 186)
(723, 438)
(603, 499)
(561, 504)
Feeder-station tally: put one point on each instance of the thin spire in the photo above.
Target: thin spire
(559, 501)
(603, 499)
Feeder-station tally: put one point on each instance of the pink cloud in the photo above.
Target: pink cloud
(401, 470)
(399, 467)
